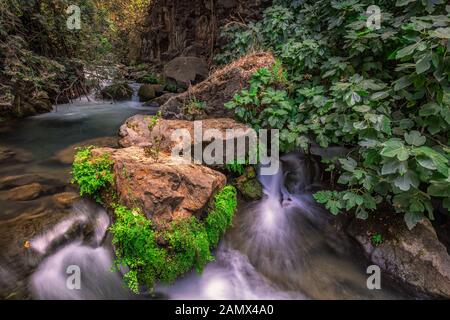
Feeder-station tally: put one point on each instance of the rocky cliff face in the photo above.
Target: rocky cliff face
(192, 28)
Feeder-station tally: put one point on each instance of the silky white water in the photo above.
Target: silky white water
(282, 247)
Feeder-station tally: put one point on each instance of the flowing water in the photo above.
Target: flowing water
(282, 247)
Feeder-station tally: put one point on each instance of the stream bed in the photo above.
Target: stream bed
(282, 247)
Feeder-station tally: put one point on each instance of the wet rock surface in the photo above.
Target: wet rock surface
(117, 91)
(9, 155)
(157, 102)
(413, 257)
(67, 155)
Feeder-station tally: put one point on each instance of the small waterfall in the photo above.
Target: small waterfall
(282, 247)
(89, 253)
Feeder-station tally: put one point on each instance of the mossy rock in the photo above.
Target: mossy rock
(117, 91)
(249, 186)
(148, 92)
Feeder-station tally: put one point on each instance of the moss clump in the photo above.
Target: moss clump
(136, 248)
(117, 91)
(221, 215)
(147, 92)
(249, 186)
(188, 242)
(92, 173)
(150, 78)
(152, 255)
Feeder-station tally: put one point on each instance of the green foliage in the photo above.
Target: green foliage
(384, 94)
(221, 215)
(40, 56)
(267, 104)
(92, 173)
(171, 88)
(136, 248)
(150, 78)
(377, 239)
(188, 247)
(235, 167)
(153, 121)
(194, 109)
(188, 242)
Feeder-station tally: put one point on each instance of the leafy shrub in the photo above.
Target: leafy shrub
(149, 78)
(382, 93)
(236, 167)
(189, 242)
(171, 88)
(92, 173)
(194, 109)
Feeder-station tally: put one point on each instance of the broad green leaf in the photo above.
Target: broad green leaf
(426, 162)
(406, 51)
(442, 33)
(348, 164)
(423, 64)
(414, 138)
(416, 206)
(362, 108)
(379, 95)
(394, 166)
(392, 148)
(407, 181)
(439, 160)
(439, 189)
(402, 83)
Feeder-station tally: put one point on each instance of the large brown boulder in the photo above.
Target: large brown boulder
(415, 257)
(186, 71)
(117, 91)
(148, 92)
(219, 88)
(139, 131)
(163, 187)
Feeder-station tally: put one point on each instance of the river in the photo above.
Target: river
(282, 247)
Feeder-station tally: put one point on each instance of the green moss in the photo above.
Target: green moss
(136, 248)
(151, 255)
(221, 216)
(188, 248)
(92, 173)
(188, 242)
(251, 189)
(150, 78)
(171, 88)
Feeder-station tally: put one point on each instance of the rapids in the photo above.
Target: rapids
(282, 247)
